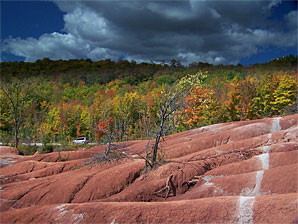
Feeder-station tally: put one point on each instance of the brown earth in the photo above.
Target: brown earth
(243, 172)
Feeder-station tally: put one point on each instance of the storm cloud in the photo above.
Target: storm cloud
(217, 32)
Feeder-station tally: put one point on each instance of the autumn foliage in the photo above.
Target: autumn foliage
(102, 129)
(244, 99)
(123, 98)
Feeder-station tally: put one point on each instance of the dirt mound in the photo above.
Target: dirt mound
(8, 156)
(242, 172)
(264, 209)
(8, 151)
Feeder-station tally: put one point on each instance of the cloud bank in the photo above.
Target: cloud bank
(208, 31)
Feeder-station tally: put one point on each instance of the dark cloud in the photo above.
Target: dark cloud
(292, 19)
(209, 31)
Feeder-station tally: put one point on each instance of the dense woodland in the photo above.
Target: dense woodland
(57, 101)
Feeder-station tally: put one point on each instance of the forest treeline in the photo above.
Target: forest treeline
(58, 101)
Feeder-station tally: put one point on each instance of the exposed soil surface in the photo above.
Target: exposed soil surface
(239, 172)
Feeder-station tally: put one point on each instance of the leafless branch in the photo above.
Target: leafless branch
(167, 187)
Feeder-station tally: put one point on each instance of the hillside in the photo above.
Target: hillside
(242, 172)
(59, 101)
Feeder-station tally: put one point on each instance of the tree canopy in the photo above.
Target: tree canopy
(57, 101)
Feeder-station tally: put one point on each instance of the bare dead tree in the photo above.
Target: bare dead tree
(146, 158)
(110, 136)
(171, 100)
(112, 150)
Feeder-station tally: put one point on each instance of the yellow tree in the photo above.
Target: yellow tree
(285, 94)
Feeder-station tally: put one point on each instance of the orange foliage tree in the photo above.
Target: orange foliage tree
(102, 129)
(78, 130)
(202, 107)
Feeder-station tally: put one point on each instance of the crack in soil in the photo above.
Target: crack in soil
(27, 192)
(42, 197)
(81, 186)
(125, 185)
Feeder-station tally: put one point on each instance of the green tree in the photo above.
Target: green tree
(18, 93)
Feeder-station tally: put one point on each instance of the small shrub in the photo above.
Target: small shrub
(64, 158)
(59, 157)
(70, 147)
(47, 149)
(100, 158)
(87, 146)
(27, 150)
(75, 167)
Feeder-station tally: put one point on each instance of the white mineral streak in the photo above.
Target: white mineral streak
(246, 209)
(60, 207)
(208, 184)
(209, 178)
(77, 218)
(257, 189)
(264, 158)
(275, 127)
(266, 148)
(6, 162)
(269, 136)
(62, 210)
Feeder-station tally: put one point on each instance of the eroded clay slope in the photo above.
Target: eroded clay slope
(243, 172)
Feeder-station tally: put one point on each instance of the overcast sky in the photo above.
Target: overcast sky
(217, 32)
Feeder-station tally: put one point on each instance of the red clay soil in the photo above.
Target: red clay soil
(243, 172)
(8, 156)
